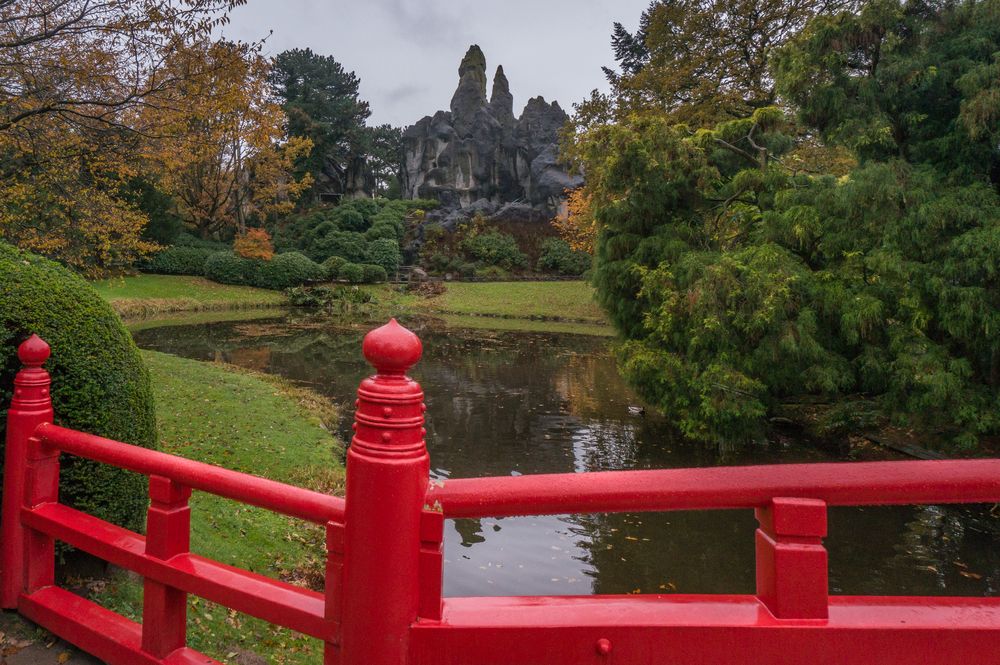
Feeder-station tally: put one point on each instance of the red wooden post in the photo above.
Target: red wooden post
(387, 476)
(30, 406)
(41, 486)
(791, 560)
(168, 533)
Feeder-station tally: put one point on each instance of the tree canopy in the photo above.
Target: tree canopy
(743, 276)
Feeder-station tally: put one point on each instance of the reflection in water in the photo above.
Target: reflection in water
(521, 403)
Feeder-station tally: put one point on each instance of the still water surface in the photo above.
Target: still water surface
(505, 403)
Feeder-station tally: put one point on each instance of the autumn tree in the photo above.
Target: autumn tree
(226, 161)
(76, 80)
(705, 61)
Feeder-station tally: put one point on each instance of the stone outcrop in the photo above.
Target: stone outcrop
(479, 157)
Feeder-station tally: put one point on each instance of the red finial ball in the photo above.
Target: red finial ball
(392, 349)
(33, 351)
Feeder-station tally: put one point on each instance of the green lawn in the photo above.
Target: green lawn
(256, 424)
(571, 301)
(146, 295)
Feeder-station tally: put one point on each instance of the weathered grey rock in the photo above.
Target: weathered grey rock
(501, 100)
(479, 157)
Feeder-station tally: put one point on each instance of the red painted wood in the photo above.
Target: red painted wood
(100, 632)
(30, 406)
(271, 600)
(387, 476)
(168, 534)
(791, 560)
(382, 599)
(285, 499)
(717, 488)
(703, 630)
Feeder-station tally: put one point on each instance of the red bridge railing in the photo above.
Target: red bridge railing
(382, 601)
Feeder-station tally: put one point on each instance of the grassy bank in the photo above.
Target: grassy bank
(257, 424)
(537, 306)
(150, 295)
(552, 301)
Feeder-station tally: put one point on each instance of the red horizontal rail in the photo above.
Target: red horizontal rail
(718, 629)
(842, 484)
(274, 601)
(242, 487)
(100, 632)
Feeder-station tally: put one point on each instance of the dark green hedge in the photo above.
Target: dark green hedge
(228, 268)
(179, 261)
(287, 270)
(100, 384)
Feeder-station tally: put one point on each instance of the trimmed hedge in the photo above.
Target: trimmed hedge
(228, 268)
(352, 272)
(99, 383)
(373, 274)
(179, 261)
(385, 252)
(333, 265)
(287, 270)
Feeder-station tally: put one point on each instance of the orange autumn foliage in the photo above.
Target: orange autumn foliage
(576, 225)
(254, 244)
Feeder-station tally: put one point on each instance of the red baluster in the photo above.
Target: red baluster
(791, 560)
(387, 477)
(168, 533)
(30, 406)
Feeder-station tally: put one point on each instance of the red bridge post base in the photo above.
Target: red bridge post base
(387, 478)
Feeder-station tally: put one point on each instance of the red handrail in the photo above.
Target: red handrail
(280, 498)
(838, 484)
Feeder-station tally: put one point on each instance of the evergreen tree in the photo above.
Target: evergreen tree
(321, 100)
(740, 281)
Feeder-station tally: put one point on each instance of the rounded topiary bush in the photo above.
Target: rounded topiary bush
(333, 265)
(179, 261)
(352, 272)
(228, 268)
(385, 252)
(99, 382)
(288, 270)
(373, 274)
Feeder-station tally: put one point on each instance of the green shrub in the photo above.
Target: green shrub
(385, 252)
(287, 270)
(495, 249)
(352, 272)
(348, 219)
(179, 261)
(384, 230)
(373, 273)
(227, 268)
(467, 270)
(99, 383)
(347, 244)
(342, 298)
(333, 265)
(558, 257)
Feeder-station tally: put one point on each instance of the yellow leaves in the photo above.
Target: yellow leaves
(576, 224)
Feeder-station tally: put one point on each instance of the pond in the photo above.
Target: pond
(508, 403)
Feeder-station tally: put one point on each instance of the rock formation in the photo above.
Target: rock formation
(478, 157)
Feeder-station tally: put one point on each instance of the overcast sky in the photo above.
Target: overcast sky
(407, 52)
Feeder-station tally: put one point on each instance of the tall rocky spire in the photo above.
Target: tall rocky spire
(471, 93)
(501, 101)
